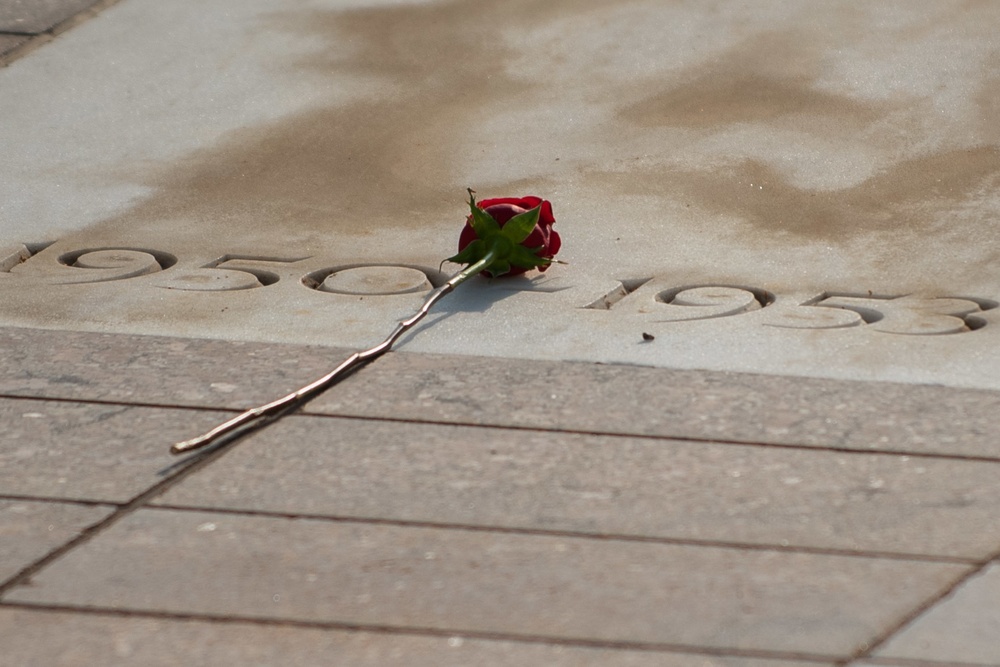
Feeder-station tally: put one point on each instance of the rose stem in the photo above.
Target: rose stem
(264, 414)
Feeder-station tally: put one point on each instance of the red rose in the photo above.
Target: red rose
(542, 237)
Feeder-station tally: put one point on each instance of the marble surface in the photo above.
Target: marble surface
(758, 186)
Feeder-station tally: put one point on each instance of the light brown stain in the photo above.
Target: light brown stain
(719, 98)
(906, 196)
(988, 101)
(769, 80)
(766, 78)
(387, 160)
(383, 161)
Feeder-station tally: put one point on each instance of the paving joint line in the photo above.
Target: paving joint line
(304, 412)
(427, 631)
(573, 534)
(121, 403)
(17, 497)
(510, 530)
(676, 438)
(978, 567)
(187, 467)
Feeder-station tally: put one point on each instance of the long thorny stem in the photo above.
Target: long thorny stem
(266, 413)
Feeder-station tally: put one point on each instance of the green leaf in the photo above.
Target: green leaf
(482, 222)
(527, 258)
(473, 252)
(521, 225)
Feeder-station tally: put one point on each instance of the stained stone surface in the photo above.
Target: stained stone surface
(760, 187)
(206, 205)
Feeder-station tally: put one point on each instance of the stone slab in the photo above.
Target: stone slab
(465, 476)
(107, 453)
(30, 530)
(761, 188)
(962, 628)
(460, 581)
(42, 638)
(154, 369)
(37, 16)
(583, 397)
(619, 399)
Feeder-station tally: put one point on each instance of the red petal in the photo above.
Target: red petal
(542, 236)
(536, 238)
(546, 217)
(467, 236)
(528, 202)
(554, 243)
(502, 213)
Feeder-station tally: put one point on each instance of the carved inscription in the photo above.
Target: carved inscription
(229, 272)
(654, 300)
(906, 315)
(896, 314)
(378, 280)
(709, 301)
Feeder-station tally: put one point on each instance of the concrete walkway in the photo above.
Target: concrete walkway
(442, 509)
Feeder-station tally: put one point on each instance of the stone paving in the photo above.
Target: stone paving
(460, 509)
(415, 515)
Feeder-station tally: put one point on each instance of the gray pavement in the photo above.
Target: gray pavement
(417, 515)
(453, 509)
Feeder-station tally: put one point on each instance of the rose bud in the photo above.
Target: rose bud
(529, 242)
